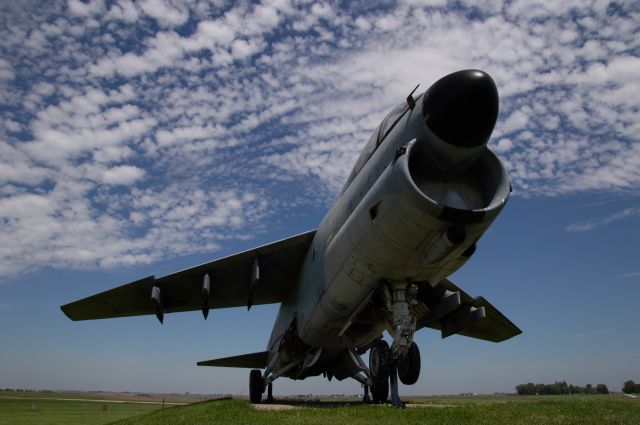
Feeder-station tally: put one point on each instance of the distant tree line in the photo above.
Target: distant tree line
(631, 387)
(560, 388)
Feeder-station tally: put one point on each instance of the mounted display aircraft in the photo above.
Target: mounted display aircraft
(422, 192)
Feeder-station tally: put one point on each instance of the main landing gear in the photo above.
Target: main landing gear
(402, 360)
(385, 371)
(257, 386)
(380, 367)
(259, 382)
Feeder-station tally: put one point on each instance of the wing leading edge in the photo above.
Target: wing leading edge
(233, 283)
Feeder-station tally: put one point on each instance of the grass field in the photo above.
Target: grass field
(59, 412)
(481, 410)
(611, 409)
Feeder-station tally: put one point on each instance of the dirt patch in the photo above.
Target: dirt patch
(429, 405)
(296, 405)
(273, 406)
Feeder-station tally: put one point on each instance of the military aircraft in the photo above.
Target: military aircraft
(422, 192)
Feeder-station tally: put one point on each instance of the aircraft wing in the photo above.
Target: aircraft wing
(453, 311)
(233, 283)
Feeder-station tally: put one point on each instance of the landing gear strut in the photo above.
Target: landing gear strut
(406, 367)
(365, 398)
(395, 397)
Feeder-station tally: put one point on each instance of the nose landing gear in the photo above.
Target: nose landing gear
(408, 365)
(385, 370)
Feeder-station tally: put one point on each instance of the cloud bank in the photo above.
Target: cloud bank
(132, 131)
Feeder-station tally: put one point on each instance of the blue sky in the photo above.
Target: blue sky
(140, 139)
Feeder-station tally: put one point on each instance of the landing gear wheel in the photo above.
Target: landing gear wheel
(256, 386)
(380, 367)
(409, 365)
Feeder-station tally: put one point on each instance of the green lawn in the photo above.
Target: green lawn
(57, 412)
(478, 410)
(545, 410)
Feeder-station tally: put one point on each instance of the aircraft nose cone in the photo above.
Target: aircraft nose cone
(462, 108)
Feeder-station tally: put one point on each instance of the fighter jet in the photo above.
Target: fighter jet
(421, 194)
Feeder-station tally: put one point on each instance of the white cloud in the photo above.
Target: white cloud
(24, 205)
(628, 275)
(593, 333)
(6, 70)
(122, 175)
(322, 10)
(592, 224)
(166, 13)
(263, 19)
(362, 23)
(124, 10)
(81, 8)
(619, 70)
(241, 49)
(180, 135)
(515, 122)
(112, 154)
(218, 32)
(16, 167)
(503, 145)
(229, 108)
(12, 125)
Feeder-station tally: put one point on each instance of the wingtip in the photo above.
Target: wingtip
(65, 310)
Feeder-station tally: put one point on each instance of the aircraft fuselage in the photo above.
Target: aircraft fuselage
(410, 213)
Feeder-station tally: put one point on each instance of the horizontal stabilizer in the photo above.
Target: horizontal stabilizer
(453, 311)
(493, 327)
(250, 361)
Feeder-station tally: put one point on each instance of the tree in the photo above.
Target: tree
(602, 389)
(630, 387)
(588, 389)
(530, 388)
(554, 389)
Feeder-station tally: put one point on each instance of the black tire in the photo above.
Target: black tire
(409, 365)
(380, 367)
(256, 386)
